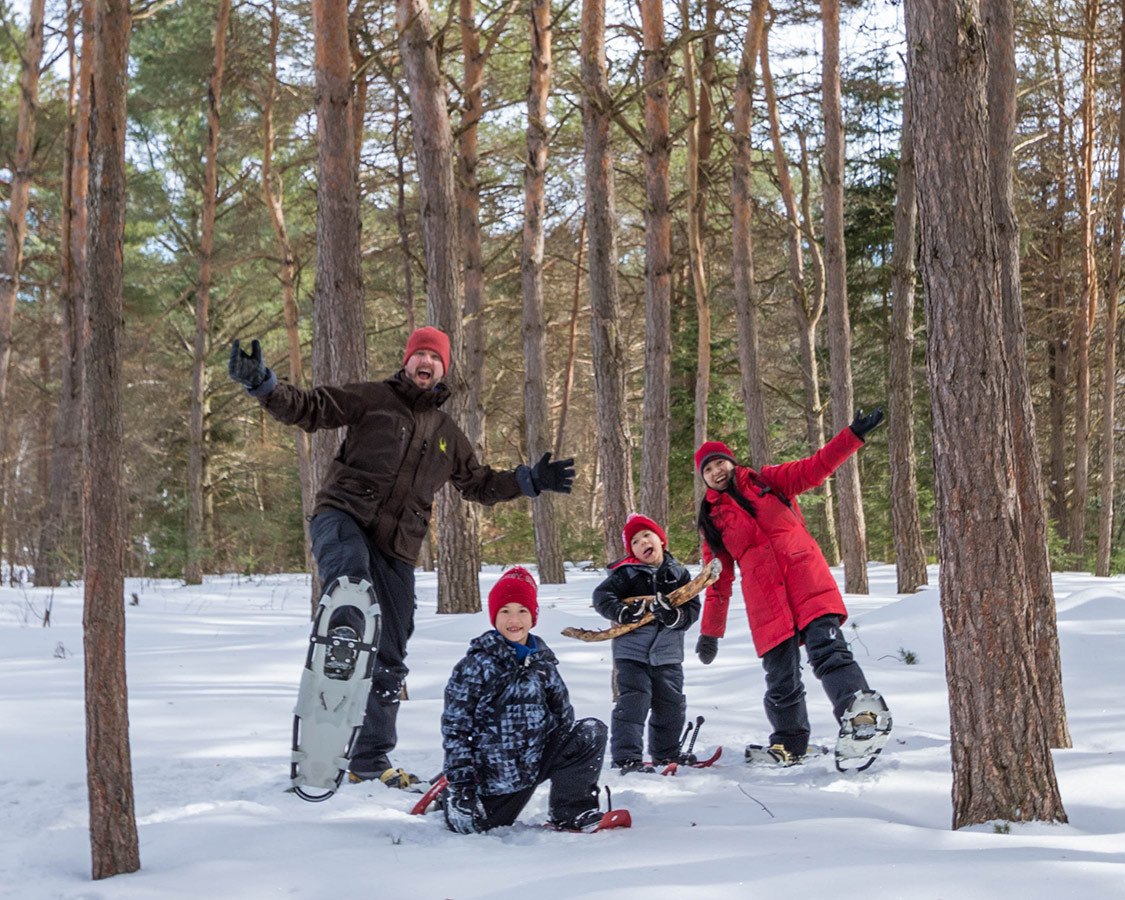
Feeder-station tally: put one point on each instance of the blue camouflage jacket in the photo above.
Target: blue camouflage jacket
(499, 712)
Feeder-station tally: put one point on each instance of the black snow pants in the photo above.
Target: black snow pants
(641, 688)
(832, 663)
(341, 548)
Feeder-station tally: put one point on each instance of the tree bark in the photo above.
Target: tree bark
(807, 305)
(910, 554)
(1002, 767)
(199, 476)
(698, 151)
(658, 266)
(1109, 364)
(1058, 346)
(742, 259)
(548, 543)
(401, 221)
(853, 529)
(458, 530)
(999, 18)
(572, 338)
(109, 776)
(1086, 312)
(609, 359)
(273, 195)
(61, 523)
(339, 338)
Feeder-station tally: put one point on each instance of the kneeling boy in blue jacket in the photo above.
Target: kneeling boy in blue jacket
(508, 725)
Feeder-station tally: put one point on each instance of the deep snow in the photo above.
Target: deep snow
(213, 673)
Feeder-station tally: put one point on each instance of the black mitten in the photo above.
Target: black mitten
(553, 476)
(630, 613)
(247, 368)
(664, 612)
(463, 810)
(862, 424)
(707, 648)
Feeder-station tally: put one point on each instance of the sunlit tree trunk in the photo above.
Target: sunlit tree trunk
(458, 532)
(1002, 766)
(274, 196)
(658, 266)
(742, 259)
(62, 509)
(109, 770)
(853, 530)
(548, 544)
(1085, 313)
(910, 554)
(999, 18)
(199, 479)
(614, 452)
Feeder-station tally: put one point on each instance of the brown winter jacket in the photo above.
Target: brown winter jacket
(399, 449)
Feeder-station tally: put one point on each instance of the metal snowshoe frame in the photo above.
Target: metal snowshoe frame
(330, 711)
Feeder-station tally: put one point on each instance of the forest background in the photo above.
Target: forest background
(1066, 134)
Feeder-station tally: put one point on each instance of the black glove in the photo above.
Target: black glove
(247, 368)
(630, 613)
(553, 476)
(862, 424)
(664, 612)
(463, 810)
(707, 648)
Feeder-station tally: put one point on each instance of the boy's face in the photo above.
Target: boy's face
(646, 547)
(424, 368)
(717, 473)
(513, 620)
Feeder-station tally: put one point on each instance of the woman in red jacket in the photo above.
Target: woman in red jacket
(790, 594)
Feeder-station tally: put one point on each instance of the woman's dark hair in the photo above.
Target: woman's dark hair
(708, 528)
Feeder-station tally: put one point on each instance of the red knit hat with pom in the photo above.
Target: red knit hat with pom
(428, 339)
(517, 585)
(710, 450)
(636, 523)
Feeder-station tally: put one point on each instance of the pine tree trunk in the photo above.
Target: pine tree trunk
(742, 259)
(614, 452)
(853, 530)
(1086, 311)
(1002, 767)
(109, 776)
(339, 338)
(910, 554)
(60, 527)
(658, 267)
(458, 529)
(808, 306)
(548, 543)
(1058, 346)
(572, 339)
(468, 206)
(1109, 366)
(999, 18)
(198, 542)
(698, 150)
(287, 275)
(401, 221)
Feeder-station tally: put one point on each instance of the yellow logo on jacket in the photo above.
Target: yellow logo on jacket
(441, 444)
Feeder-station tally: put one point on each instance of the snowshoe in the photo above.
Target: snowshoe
(593, 820)
(334, 687)
(864, 731)
(777, 757)
(433, 795)
(634, 765)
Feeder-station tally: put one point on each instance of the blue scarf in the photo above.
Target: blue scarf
(523, 651)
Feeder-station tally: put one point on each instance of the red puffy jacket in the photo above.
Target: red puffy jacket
(786, 582)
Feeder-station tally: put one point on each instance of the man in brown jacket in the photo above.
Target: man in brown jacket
(373, 510)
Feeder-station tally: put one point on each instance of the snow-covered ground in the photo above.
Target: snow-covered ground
(213, 675)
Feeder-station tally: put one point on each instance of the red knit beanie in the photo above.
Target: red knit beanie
(428, 339)
(517, 585)
(710, 450)
(635, 523)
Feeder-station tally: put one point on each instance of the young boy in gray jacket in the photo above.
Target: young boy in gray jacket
(648, 661)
